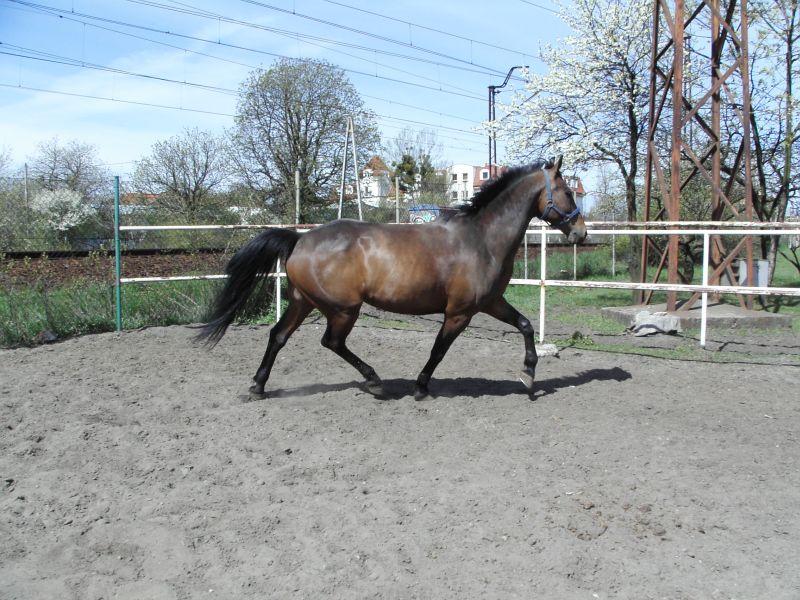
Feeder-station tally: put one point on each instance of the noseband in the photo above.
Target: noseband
(565, 217)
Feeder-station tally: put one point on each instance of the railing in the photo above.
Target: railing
(706, 229)
(712, 228)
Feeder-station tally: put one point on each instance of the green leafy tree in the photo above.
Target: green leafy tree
(294, 116)
(405, 170)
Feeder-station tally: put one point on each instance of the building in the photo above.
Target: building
(375, 182)
(464, 181)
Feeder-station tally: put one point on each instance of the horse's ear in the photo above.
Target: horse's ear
(558, 162)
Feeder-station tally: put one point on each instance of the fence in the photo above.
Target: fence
(703, 228)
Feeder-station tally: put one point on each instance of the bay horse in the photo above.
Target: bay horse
(457, 267)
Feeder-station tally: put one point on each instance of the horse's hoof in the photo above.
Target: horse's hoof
(422, 394)
(376, 389)
(255, 394)
(527, 380)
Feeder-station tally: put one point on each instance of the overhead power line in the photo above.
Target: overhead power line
(65, 14)
(433, 29)
(185, 8)
(155, 105)
(239, 63)
(65, 60)
(109, 99)
(376, 36)
(537, 5)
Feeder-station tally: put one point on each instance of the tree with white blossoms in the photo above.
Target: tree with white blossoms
(776, 131)
(61, 209)
(591, 104)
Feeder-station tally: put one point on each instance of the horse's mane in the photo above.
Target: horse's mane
(495, 187)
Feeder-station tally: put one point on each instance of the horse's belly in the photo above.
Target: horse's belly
(409, 295)
(417, 305)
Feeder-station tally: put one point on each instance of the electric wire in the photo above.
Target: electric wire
(167, 106)
(382, 38)
(185, 8)
(247, 65)
(58, 13)
(427, 28)
(64, 60)
(548, 9)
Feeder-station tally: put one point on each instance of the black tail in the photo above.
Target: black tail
(251, 263)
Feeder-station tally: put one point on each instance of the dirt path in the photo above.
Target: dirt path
(131, 469)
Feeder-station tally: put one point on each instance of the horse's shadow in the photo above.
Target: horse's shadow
(470, 387)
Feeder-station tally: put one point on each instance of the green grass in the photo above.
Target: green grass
(688, 351)
(88, 307)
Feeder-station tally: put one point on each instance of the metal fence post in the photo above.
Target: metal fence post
(614, 250)
(574, 262)
(542, 280)
(117, 258)
(704, 297)
(525, 246)
(278, 290)
(297, 196)
(396, 199)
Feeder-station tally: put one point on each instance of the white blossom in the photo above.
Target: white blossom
(61, 209)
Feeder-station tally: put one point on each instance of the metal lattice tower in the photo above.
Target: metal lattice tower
(693, 120)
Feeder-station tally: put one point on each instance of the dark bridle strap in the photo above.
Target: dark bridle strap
(565, 217)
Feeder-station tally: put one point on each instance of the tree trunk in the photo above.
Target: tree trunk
(635, 246)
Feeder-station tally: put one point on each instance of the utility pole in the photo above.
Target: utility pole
(493, 91)
(344, 167)
(396, 199)
(349, 135)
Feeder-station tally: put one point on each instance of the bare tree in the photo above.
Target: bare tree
(5, 162)
(73, 166)
(294, 116)
(422, 145)
(183, 171)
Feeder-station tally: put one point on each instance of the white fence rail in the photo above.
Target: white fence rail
(605, 228)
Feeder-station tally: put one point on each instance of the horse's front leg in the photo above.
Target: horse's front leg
(501, 310)
(451, 328)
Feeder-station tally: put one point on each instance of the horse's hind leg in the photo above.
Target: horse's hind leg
(503, 311)
(340, 323)
(298, 310)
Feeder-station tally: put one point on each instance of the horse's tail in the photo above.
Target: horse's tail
(251, 263)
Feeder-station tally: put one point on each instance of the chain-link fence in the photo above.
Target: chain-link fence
(57, 247)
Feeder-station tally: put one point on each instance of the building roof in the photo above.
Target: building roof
(376, 164)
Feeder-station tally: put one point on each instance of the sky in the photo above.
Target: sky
(406, 73)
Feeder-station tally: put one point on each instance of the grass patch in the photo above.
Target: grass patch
(687, 352)
(88, 307)
(595, 323)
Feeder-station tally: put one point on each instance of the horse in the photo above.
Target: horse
(458, 268)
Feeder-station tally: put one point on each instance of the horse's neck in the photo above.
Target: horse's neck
(505, 219)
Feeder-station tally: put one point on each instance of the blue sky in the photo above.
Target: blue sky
(124, 132)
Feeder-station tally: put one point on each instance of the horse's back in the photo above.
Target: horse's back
(403, 268)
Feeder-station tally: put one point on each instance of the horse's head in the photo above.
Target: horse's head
(557, 204)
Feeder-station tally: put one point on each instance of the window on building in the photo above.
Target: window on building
(484, 174)
(454, 177)
(454, 195)
(464, 176)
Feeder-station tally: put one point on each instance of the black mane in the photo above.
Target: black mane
(494, 187)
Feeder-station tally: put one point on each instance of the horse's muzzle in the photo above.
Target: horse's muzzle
(577, 234)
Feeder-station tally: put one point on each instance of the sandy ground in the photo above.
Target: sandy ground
(131, 468)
